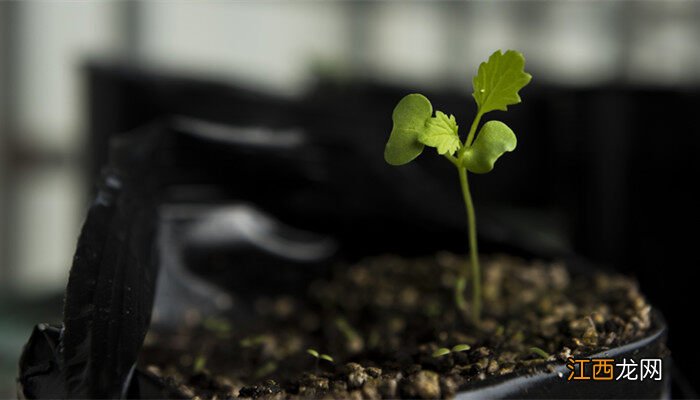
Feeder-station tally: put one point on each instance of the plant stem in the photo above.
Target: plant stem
(473, 250)
(472, 131)
(452, 159)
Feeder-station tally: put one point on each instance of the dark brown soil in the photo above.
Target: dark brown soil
(381, 321)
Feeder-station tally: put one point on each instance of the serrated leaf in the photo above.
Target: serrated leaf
(441, 352)
(461, 347)
(494, 139)
(441, 133)
(409, 117)
(498, 81)
(313, 352)
(327, 357)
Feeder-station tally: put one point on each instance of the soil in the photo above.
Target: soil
(381, 321)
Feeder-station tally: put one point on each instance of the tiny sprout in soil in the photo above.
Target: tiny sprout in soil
(496, 86)
(540, 352)
(443, 351)
(318, 356)
(199, 364)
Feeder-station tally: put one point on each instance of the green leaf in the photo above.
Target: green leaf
(441, 133)
(461, 347)
(494, 139)
(327, 357)
(410, 117)
(498, 81)
(441, 352)
(313, 352)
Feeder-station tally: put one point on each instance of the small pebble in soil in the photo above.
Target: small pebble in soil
(356, 375)
(423, 384)
(270, 387)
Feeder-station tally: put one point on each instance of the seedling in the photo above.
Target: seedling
(199, 363)
(496, 86)
(354, 340)
(318, 356)
(540, 352)
(443, 351)
(252, 341)
(266, 369)
(218, 326)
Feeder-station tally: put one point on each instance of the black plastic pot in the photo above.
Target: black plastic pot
(162, 201)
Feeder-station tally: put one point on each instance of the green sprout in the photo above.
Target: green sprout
(199, 364)
(496, 86)
(443, 351)
(354, 340)
(318, 356)
(252, 341)
(266, 369)
(540, 352)
(218, 326)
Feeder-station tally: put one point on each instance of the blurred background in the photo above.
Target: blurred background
(606, 127)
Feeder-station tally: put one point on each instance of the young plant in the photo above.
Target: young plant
(496, 86)
(355, 343)
(443, 351)
(218, 326)
(199, 364)
(541, 353)
(318, 356)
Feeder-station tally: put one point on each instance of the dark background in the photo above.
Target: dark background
(607, 141)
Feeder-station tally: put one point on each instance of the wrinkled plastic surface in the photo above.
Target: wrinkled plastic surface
(261, 255)
(112, 281)
(42, 377)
